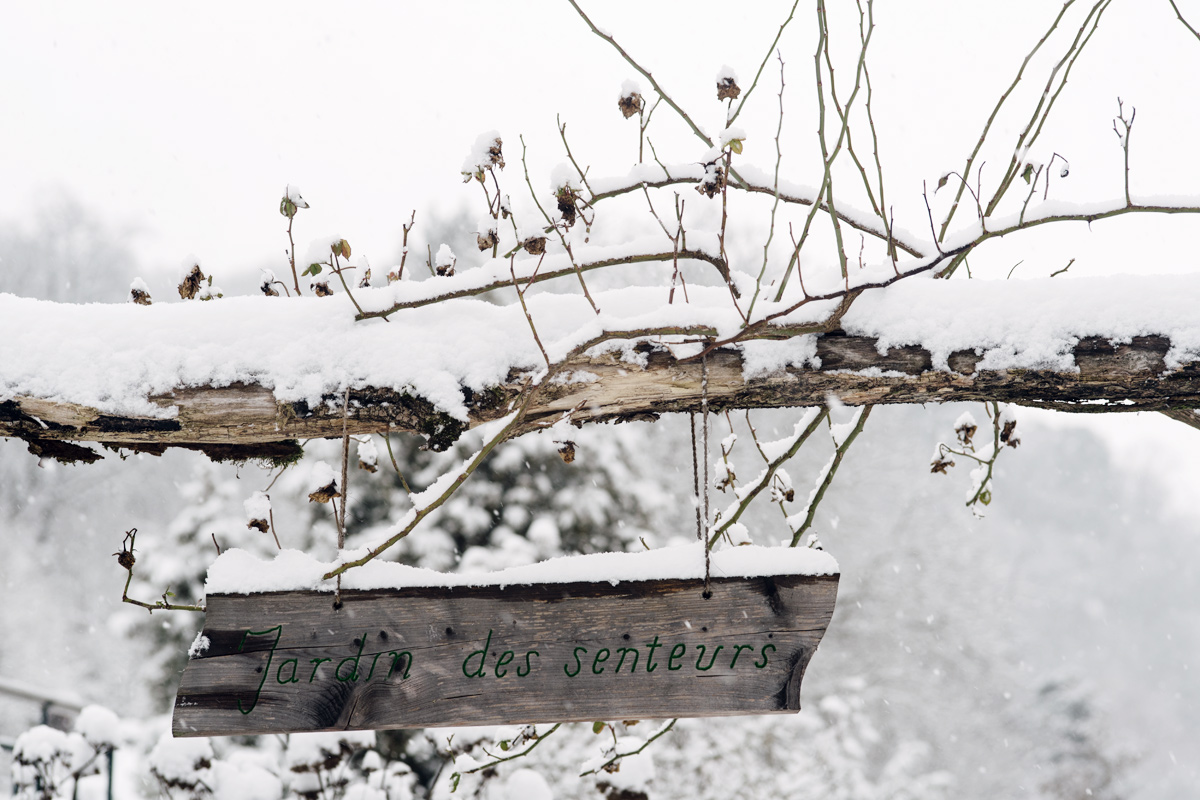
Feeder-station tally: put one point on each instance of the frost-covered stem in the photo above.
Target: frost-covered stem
(562, 131)
(387, 439)
(420, 513)
(810, 422)
(995, 111)
(1045, 104)
(643, 72)
(653, 738)
(157, 605)
(525, 308)
(500, 760)
(827, 479)
(1184, 21)
(561, 237)
(1124, 138)
(746, 95)
(775, 206)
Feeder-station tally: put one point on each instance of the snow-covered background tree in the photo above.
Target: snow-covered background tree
(1002, 650)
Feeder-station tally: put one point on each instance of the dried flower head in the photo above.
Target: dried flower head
(630, 104)
(487, 239)
(567, 198)
(534, 245)
(566, 451)
(321, 289)
(727, 88)
(193, 279)
(713, 181)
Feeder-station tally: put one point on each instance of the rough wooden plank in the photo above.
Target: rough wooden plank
(290, 661)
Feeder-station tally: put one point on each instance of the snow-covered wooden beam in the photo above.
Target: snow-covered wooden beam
(248, 377)
(246, 420)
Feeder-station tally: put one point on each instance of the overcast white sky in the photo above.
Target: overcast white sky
(182, 124)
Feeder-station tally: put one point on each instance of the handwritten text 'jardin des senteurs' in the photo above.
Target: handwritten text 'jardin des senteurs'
(622, 658)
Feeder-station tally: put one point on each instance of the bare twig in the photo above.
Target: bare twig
(654, 737)
(1123, 134)
(827, 478)
(746, 94)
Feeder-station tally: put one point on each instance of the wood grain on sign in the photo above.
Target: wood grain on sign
(418, 657)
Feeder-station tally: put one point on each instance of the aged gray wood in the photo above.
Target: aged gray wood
(416, 657)
(244, 420)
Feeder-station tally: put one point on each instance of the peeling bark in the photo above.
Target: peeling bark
(246, 421)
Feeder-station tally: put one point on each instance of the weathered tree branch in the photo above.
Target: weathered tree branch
(245, 421)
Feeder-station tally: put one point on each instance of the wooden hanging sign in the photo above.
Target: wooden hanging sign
(421, 657)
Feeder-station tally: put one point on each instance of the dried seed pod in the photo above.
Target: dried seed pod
(713, 181)
(189, 287)
(534, 245)
(1008, 434)
(321, 289)
(566, 204)
(566, 451)
(630, 104)
(325, 493)
(940, 464)
(126, 558)
(966, 432)
(487, 239)
(727, 88)
(260, 525)
(140, 297)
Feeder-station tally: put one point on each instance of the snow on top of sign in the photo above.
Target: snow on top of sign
(238, 572)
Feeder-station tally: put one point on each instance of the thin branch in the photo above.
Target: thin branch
(657, 735)
(1186, 24)
(126, 559)
(819, 494)
(775, 206)
(415, 516)
(497, 760)
(746, 95)
(387, 439)
(666, 256)
(805, 428)
(561, 237)
(644, 73)
(995, 111)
